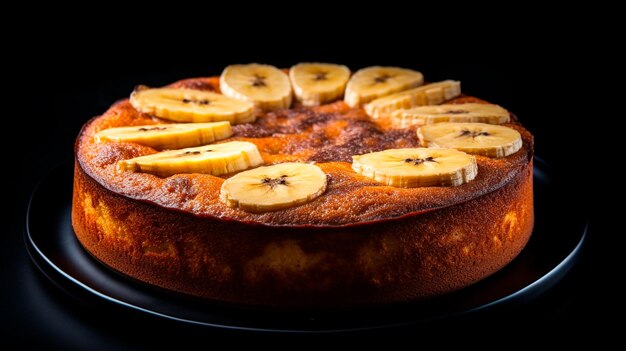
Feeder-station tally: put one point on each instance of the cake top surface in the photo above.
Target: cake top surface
(328, 135)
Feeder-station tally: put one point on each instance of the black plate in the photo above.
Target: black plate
(51, 242)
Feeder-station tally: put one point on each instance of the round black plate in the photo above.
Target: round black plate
(51, 242)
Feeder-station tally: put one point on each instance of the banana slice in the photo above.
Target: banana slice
(264, 85)
(318, 83)
(370, 83)
(411, 168)
(187, 105)
(214, 159)
(274, 187)
(431, 94)
(471, 112)
(168, 136)
(474, 138)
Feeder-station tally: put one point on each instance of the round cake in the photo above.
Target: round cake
(304, 188)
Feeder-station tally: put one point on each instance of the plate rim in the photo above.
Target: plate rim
(544, 282)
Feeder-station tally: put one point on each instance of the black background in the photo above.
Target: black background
(73, 87)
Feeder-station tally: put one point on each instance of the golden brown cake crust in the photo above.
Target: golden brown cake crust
(359, 243)
(329, 135)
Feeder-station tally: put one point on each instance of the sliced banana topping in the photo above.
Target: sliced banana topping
(473, 138)
(430, 94)
(318, 83)
(371, 83)
(188, 105)
(264, 85)
(274, 187)
(168, 136)
(214, 159)
(457, 113)
(419, 167)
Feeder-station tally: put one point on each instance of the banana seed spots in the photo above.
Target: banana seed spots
(419, 161)
(190, 153)
(274, 182)
(143, 129)
(320, 76)
(259, 81)
(474, 134)
(457, 112)
(187, 153)
(382, 79)
(197, 102)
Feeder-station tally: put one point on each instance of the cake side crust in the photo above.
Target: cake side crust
(393, 261)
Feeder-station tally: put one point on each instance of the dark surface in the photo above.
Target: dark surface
(35, 312)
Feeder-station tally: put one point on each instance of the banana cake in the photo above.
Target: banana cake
(304, 188)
